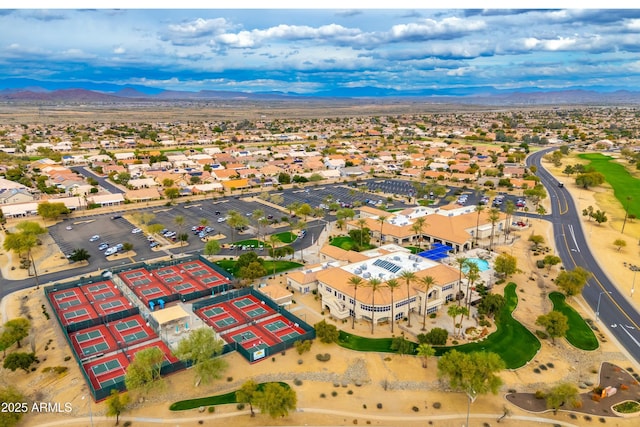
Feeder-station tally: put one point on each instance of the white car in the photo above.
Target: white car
(112, 250)
(68, 227)
(222, 219)
(136, 231)
(94, 238)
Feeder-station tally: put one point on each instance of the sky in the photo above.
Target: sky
(309, 51)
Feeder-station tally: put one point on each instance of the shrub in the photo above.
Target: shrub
(240, 406)
(539, 263)
(539, 394)
(67, 358)
(379, 405)
(322, 395)
(334, 393)
(127, 424)
(349, 391)
(437, 405)
(415, 409)
(229, 379)
(323, 357)
(211, 409)
(297, 381)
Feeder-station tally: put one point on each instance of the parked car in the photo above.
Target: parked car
(110, 251)
(116, 216)
(136, 231)
(103, 246)
(119, 247)
(154, 244)
(68, 227)
(94, 238)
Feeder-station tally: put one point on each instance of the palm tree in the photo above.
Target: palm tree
(462, 261)
(473, 274)
(425, 351)
(479, 209)
(408, 277)
(494, 216)
(392, 284)
(361, 223)
(427, 283)
(454, 311)
(509, 209)
(179, 221)
(204, 222)
(375, 285)
(235, 220)
(381, 220)
(354, 281)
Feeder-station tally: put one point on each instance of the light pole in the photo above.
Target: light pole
(635, 269)
(471, 394)
(90, 412)
(598, 306)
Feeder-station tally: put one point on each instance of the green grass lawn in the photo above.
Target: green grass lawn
(579, 335)
(220, 399)
(515, 344)
(280, 265)
(620, 179)
(347, 243)
(254, 242)
(286, 237)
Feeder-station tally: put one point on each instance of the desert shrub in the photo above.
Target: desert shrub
(379, 405)
(211, 409)
(334, 393)
(323, 357)
(415, 409)
(322, 395)
(297, 381)
(539, 394)
(349, 391)
(229, 379)
(540, 263)
(437, 405)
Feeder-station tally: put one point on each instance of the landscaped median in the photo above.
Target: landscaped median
(579, 334)
(515, 344)
(220, 399)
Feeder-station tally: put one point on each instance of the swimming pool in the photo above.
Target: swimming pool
(483, 265)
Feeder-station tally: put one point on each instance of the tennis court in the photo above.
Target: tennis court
(198, 273)
(103, 373)
(141, 282)
(172, 279)
(256, 312)
(87, 336)
(96, 288)
(289, 336)
(62, 295)
(105, 367)
(129, 324)
(244, 336)
(184, 287)
(160, 345)
(105, 295)
(151, 291)
(112, 305)
(225, 322)
(68, 304)
(240, 303)
(133, 274)
(275, 326)
(78, 315)
(213, 311)
(212, 279)
(136, 336)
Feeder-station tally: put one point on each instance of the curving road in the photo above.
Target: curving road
(613, 310)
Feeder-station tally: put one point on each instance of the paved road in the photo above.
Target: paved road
(104, 182)
(615, 312)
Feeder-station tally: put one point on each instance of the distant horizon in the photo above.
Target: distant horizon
(323, 52)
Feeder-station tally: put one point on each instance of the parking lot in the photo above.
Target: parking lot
(112, 231)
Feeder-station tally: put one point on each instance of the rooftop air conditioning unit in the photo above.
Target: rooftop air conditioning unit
(363, 266)
(366, 275)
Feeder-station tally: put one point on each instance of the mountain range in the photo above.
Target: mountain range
(28, 90)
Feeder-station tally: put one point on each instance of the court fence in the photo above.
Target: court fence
(283, 345)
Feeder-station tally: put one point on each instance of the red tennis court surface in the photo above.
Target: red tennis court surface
(145, 285)
(100, 290)
(77, 314)
(168, 357)
(131, 330)
(251, 338)
(203, 274)
(106, 371)
(176, 279)
(68, 299)
(111, 305)
(93, 341)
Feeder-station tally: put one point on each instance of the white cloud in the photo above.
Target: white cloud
(448, 27)
(119, 50)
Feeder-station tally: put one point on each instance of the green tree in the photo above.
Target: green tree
(211, 248)
(408, 277)
(19, 360)
(572, 281)
(143, 373)
(600, 216)
(303, 346)
(562, 394)
(436, 336)
(589, 179)
(9, 395)
(392, 285)
(80, 254)
(326, 332)
(506, 264)
(24, 240)
(116, 403)
(479, 208)
(276, 400)
(473, 274)
(474, 372)
(491, 304)
(550, 261)
(425, 351)
(247, 394)
(304, 210)
(172, 193)
(354, 282)
(620, 243)
(381, 219)
(401, 345)
(537, 240)
(179, 220)
(462, 263)
(52, 211)
(494, 217)
(454, 311)
(236, 221)
(555, 323)
(252, 271)
(202, 347)
(17, 329)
